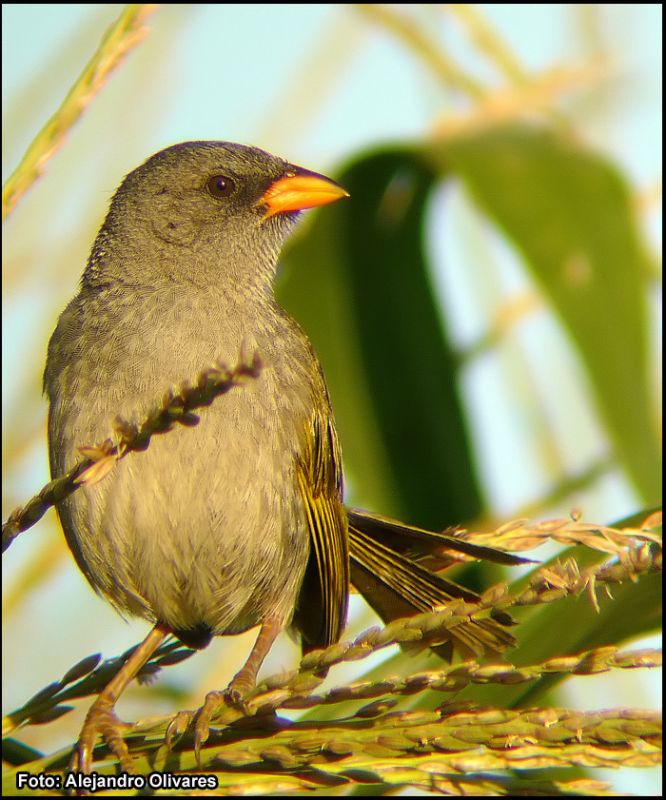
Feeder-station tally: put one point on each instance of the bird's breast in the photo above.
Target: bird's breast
(207, 525)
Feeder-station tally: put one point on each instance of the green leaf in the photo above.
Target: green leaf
(569, 211)
(359, 283)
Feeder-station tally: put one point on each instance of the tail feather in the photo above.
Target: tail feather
(396, 585)
(404, 538)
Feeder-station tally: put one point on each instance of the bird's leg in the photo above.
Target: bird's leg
(101, 717)
(242, 682)
(246, 678)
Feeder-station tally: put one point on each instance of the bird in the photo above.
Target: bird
(240, 520)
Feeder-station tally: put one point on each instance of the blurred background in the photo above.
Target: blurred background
(486, 306)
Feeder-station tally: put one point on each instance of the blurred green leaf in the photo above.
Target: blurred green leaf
(359, 283)
(569, 211)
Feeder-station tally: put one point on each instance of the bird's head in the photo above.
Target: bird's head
(219, 210)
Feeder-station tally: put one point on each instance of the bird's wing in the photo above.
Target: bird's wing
(322, 607)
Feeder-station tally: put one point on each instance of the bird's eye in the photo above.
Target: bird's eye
(220, 186)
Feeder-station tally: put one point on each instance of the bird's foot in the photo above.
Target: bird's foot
(233, 695)
(236, 692)
(102, 720)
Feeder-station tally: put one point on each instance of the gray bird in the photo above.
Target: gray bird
(238, 521)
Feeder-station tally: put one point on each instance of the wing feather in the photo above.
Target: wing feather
(322, 608)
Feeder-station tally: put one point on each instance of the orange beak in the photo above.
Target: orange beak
(300, 190)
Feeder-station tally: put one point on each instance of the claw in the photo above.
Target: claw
(237, 691)
(234, 696)
(177, 727)
(214, 702)
(205, 714)
(102, 720)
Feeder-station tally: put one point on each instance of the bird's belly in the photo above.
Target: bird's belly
(205, 528)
